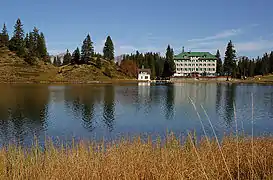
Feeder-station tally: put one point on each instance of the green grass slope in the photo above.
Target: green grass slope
(15, 70)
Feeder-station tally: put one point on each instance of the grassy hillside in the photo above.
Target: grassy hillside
(15, 69)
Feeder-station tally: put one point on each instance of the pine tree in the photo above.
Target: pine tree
(27, 41)
(230, 62)
(35, 34)
(67, 58)
(31, 46)
(169, 65)
(271, 62)
(76, 56)
(17, 41)
(98, 62)
(30, 53)
(108, 50)
(41, 46)
(4, 36)
(87, 50)
(219, 65)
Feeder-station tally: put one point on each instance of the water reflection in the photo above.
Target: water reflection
(109, 107)
(23, 112)
(169, 107)
(230, 92)
(81, 100)
(85, 111)
(144, 97)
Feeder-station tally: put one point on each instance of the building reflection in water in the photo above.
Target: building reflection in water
(144, 97)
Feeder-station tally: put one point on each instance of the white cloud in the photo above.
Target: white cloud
(224, 34)
(254, 45)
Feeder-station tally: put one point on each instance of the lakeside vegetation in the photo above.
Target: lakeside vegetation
(86, 65)
(172, 158)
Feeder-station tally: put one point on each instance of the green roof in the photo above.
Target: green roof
(203, 55)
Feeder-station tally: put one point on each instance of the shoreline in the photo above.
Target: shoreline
(125, 81)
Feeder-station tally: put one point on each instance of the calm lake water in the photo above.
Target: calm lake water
(109, 111)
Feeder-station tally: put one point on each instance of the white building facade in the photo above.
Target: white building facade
(198, 63)
(144, 74)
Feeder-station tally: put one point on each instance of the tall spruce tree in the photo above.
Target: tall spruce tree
(35, 34)
(230, 62)
(17, 41)
(87, 50)
(76, 56)
(67, 58)
(4, 36)
(27, 41)
(169, 65)
(41, 46)
(30, 53)
(219, 64)
(108, 50)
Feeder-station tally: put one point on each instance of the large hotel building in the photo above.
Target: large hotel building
(189, 63)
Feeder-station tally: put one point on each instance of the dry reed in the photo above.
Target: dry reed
(139, 159)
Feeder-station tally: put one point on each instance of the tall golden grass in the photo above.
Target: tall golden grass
(173, 158)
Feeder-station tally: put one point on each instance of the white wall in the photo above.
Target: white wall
(144, 77)
(208, 66)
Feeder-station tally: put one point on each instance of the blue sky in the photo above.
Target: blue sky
(145, 25)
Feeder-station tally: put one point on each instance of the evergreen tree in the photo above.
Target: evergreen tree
(41, 46)
(271, 62)
(98, 62)
(27, 41)
(87, 50)
(230, 62)
(169, 65)
(67, 58)
(219, 65)
(30, 54)
(76, 56)
(4, 36)
(17, 41)
(30, 44)
(35, 34)
(108, 50)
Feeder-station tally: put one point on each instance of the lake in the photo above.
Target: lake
(110, 111)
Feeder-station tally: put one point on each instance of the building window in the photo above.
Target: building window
(213, 69)
(200, 64)
(196, 64)
(196, 69)
(186, 69)
(185, 64)
(146, 77)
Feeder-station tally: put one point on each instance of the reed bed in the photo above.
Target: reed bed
(171, 158)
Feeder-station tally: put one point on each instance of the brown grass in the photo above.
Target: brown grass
(138, 159)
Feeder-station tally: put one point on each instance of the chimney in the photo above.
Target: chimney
(183, 49)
